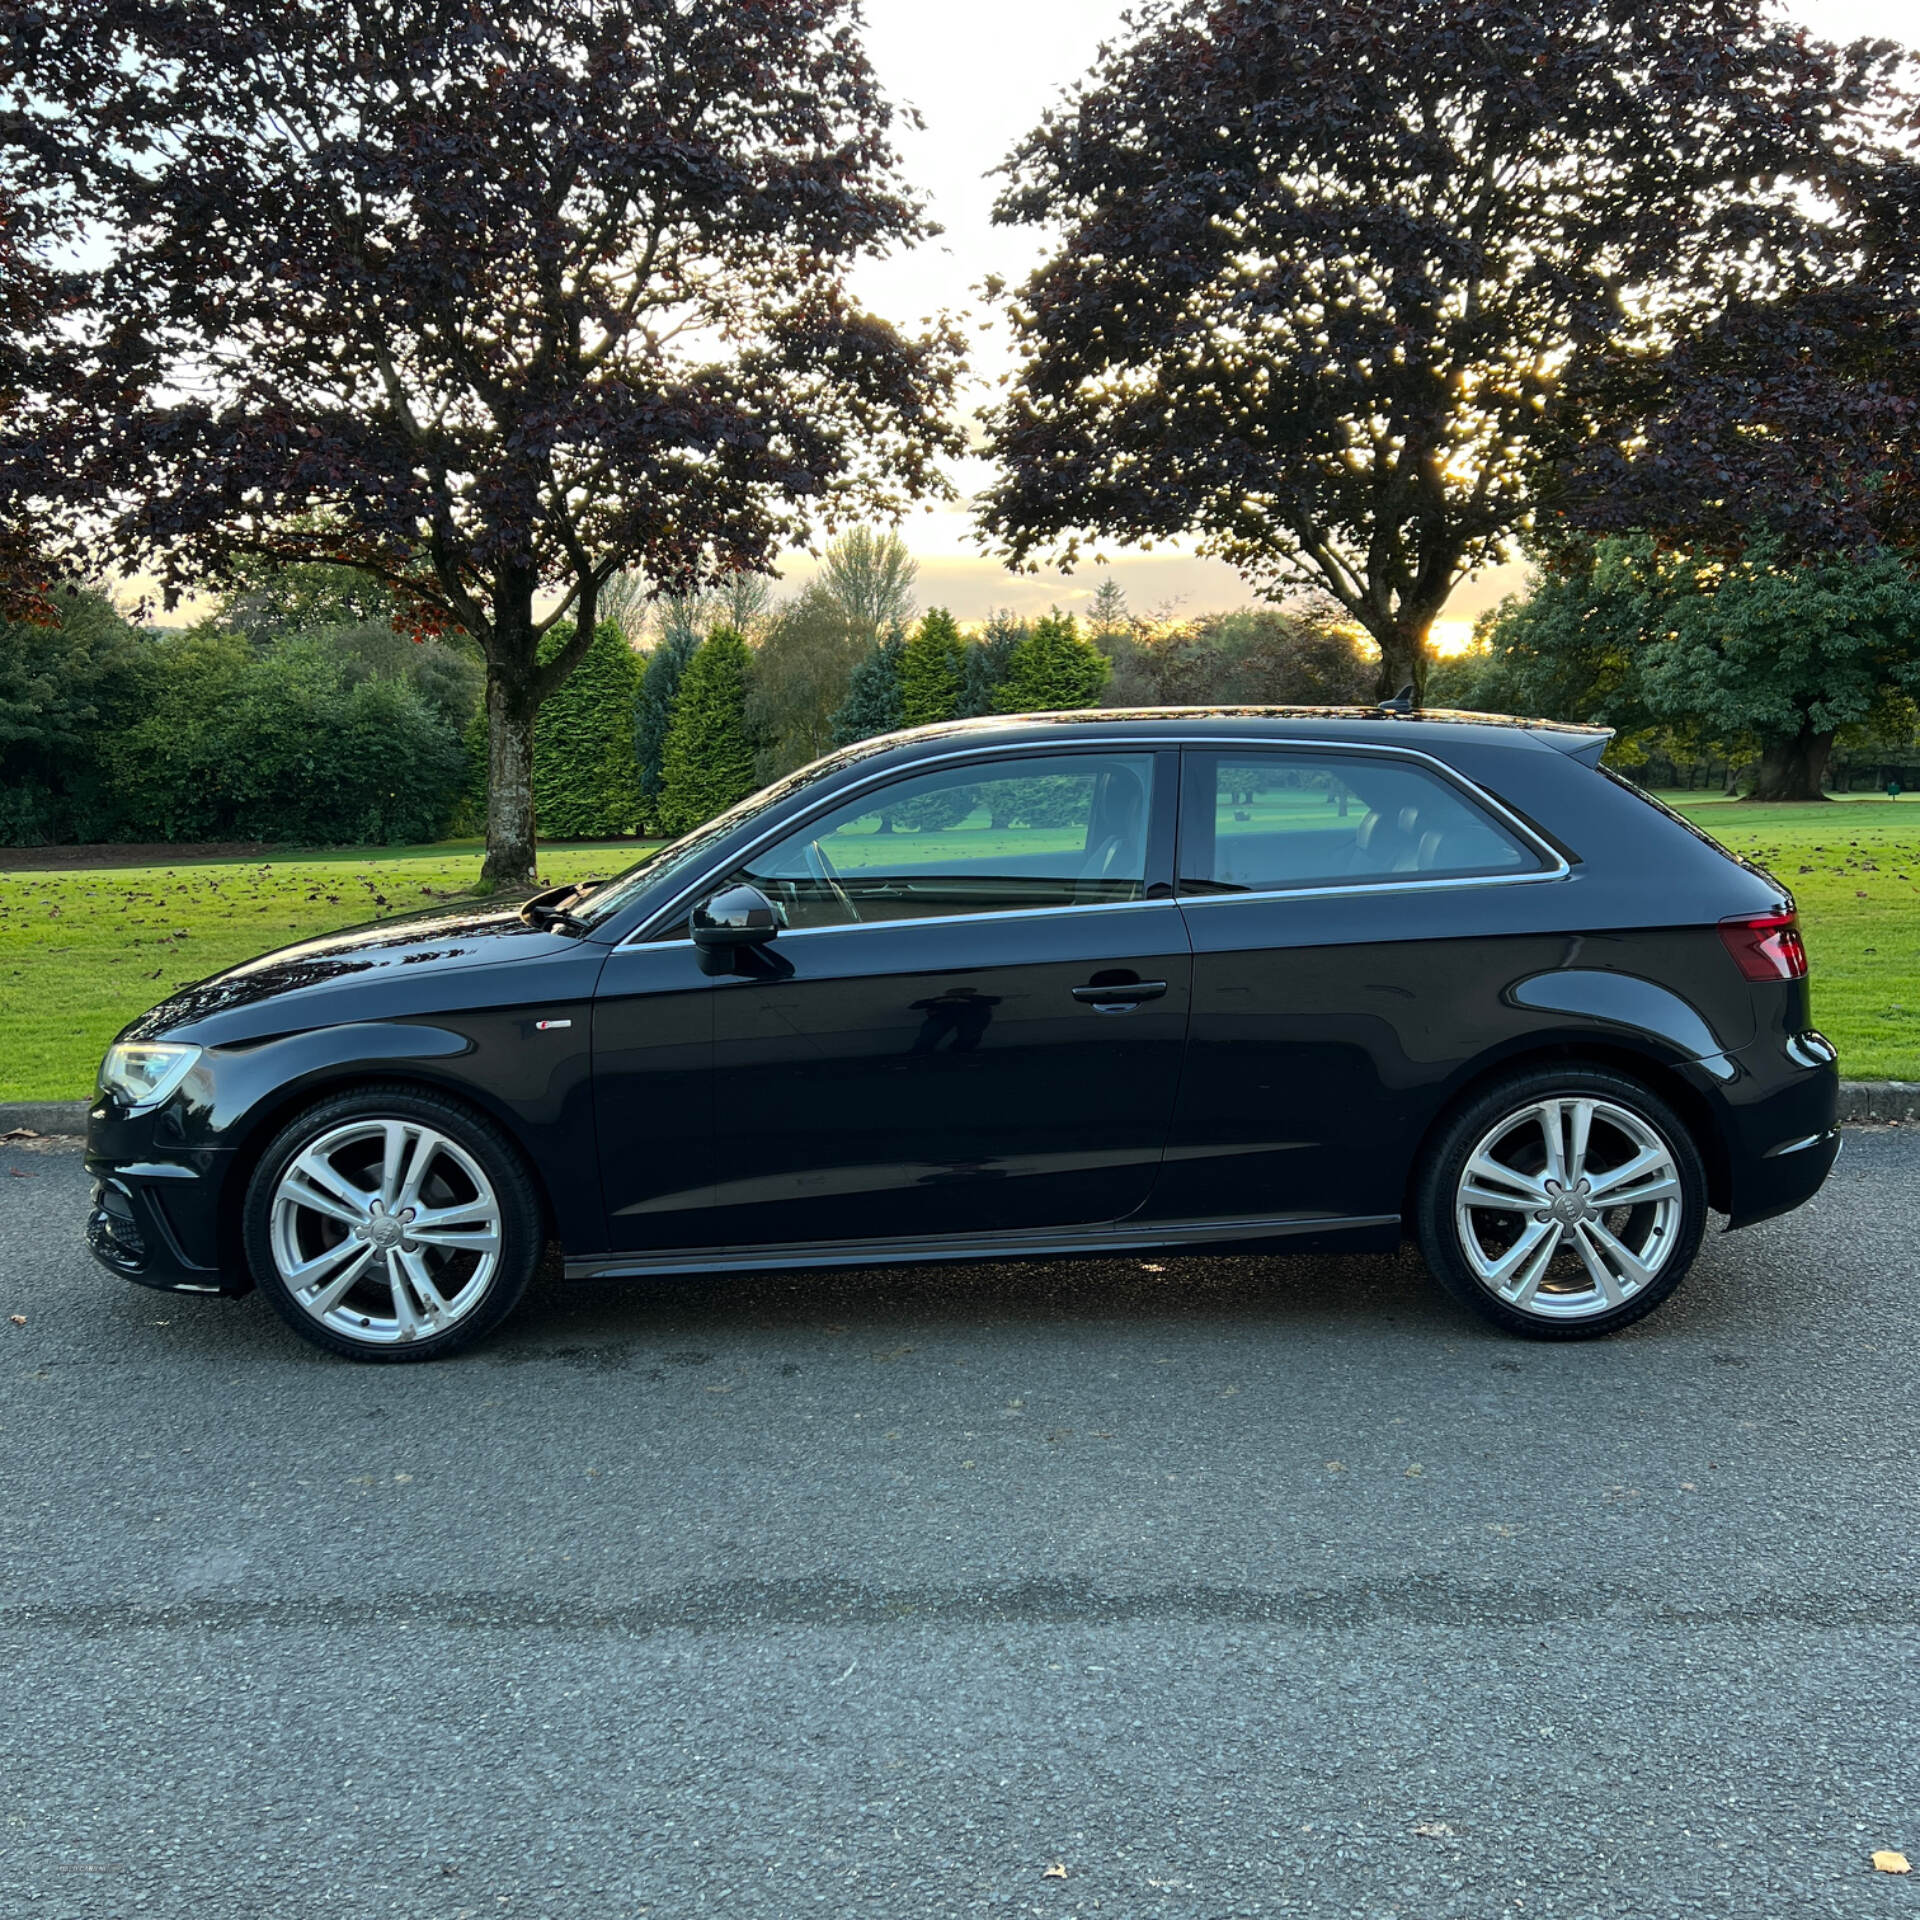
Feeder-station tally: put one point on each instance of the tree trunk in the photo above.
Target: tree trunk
(1404, 659)
(1792, 766)
(516, 685)
(510, 827)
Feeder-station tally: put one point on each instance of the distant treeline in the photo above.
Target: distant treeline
(297, 712)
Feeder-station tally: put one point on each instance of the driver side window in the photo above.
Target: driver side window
(1054, 830)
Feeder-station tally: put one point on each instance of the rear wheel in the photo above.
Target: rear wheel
(392, 1226)
(1563, 1204)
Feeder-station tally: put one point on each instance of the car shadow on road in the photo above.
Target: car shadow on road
(1196, 1294)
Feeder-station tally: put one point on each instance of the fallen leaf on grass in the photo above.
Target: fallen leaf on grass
(1887, 1861)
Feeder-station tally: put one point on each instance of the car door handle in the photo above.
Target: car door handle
(1118, 996)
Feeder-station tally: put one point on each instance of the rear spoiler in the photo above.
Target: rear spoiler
(1585, 744)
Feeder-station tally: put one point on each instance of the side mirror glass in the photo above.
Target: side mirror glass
(735, 917)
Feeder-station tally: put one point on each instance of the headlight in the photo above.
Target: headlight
(141, 1073)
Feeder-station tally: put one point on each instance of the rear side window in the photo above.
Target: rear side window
(1262, 822)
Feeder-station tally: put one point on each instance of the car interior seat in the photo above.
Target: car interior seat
(1388, 843)
(1116, 834)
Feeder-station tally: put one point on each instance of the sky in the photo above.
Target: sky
(980, 76)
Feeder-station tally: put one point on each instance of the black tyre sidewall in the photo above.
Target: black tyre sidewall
(1440, 1174)
(522, 1234)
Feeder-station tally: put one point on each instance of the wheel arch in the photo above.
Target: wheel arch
(1659, 1073)
(264, 1121)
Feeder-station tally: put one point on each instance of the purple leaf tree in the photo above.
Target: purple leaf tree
(491, 301)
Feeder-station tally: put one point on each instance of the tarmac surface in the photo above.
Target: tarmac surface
(1186, 1589)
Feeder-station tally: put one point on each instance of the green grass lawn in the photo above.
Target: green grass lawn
(82, 951)
(1854, 867)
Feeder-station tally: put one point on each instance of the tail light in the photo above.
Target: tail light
(1766, 946)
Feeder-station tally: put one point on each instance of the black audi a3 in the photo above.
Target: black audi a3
(1077, 983)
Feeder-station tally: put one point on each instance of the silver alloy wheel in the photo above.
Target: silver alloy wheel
(385, 1231)
(1569, 1207)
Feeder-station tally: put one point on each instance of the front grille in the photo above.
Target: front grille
(112, 1231)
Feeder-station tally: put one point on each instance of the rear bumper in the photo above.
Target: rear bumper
(1779, 1126)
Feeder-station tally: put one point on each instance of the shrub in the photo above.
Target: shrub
(932, 671)
(61, 688)
(707, 764)
(872, 704)
(290, 746)
(1055, 667)
(586, 781)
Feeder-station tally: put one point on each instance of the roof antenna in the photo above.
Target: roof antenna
(1402, 702)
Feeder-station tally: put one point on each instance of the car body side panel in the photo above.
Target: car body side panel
(653, 1091)
(513, 1039)
(1325, 1040)
(942, 1077)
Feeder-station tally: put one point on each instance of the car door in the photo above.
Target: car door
(653, 1095)
(1352, 926)
(974, 1017)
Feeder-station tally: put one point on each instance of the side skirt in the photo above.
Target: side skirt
(1122, 1236)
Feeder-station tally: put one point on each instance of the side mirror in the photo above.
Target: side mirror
(735, 918)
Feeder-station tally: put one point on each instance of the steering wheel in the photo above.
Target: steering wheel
(824, 871)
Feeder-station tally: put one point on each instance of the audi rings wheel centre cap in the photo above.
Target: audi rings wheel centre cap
(1569, 1205)
(384, 1230)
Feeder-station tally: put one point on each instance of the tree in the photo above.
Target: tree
(265, 601)
(932, 671)
(1340, 279)
(802, 670)
(625, 601)
(708, 761)
(1107, 615)
(1783, 654)
(1249, 657)
(39, 378)
(63, 685)
(586, 782)
(1794, 421)
(666, 665)
(1054, 667)
(870, 577)
(872, 705)
(988, 660)
(493, 303)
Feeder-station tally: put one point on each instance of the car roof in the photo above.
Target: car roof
(1431, 730)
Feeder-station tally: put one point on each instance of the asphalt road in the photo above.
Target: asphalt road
(1223, 1587)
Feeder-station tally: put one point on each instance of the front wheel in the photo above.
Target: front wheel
(1563, 1204)
(392, 1225)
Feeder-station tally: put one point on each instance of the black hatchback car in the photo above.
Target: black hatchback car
(1077, 983)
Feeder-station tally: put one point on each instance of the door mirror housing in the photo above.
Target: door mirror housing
(734, 919)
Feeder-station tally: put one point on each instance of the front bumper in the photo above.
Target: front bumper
(155, 1215)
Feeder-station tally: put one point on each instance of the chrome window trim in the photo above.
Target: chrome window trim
(1556, 869)
(968, 919)
(1558, 872)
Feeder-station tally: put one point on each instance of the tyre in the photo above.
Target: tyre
(1562, 1204)
(391, 1225)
